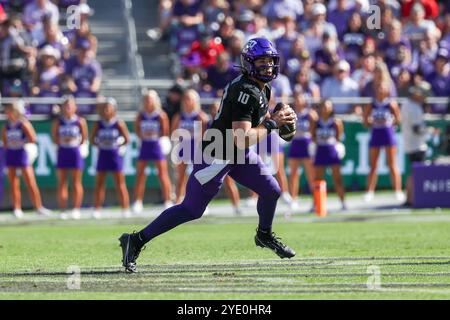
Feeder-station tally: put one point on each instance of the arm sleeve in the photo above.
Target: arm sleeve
(243, 103)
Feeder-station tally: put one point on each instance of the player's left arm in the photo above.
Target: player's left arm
(123, 132)
(29, 132)
(395, 112)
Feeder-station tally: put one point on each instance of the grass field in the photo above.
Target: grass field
(215, 258)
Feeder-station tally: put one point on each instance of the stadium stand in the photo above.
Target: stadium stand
(180, 41)
(413, 41)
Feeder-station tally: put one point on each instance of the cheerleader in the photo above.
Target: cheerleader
(189, 116)
(299, 148)
(111, 136)
(150, 125)
(381, 117)
(18, 134)
(326, 133)
(69, 133)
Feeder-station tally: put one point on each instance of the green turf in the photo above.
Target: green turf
(217, 259)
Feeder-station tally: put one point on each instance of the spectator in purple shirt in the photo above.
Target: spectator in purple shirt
(55, 39)
(428, 51)
(46, 79)
(82, 34)
(188, 12)
(187, 20)
(67, 3)
(285, 42)
(237, 42)
(445, 42)
(246, 22)
(340, 17)
(226, 30)
(440, 79)
(35, 11)
(298, 57)
(305, 20)
(221, 73)
(353, 39)
(276, 9)
(83, 75)
(327, 56)
(405, 59)
(389, 49)
(318, 27)
(215, 12)
(364, 75)
(416, 28)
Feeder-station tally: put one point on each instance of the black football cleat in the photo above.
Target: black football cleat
(130, 251)
(271, 241)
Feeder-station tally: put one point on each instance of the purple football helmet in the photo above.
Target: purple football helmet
(259, 48)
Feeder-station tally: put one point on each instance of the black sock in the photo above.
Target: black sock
(140, 239)
(264, 232)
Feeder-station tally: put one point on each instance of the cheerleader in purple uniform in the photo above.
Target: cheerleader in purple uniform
(17, 132)
(151, 124)
(298, 150)
(190, 116)
(381, 117)
(110, 134)
(326, 132)
(69, 132)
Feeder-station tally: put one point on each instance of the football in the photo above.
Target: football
(287, 132)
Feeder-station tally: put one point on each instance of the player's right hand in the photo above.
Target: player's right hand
(284, 116)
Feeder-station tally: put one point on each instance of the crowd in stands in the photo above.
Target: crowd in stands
(43, 56)
(328, 48)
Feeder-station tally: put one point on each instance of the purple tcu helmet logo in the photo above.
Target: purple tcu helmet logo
(260, 48)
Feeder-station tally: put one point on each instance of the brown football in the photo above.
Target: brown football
(287, 132)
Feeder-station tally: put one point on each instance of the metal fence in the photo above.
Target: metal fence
(207, 101)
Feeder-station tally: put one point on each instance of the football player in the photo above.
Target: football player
(243, 119)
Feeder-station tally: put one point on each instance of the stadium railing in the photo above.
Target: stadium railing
(209, 101)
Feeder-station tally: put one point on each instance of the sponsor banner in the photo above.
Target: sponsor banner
(355, 165)
(431, 185)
